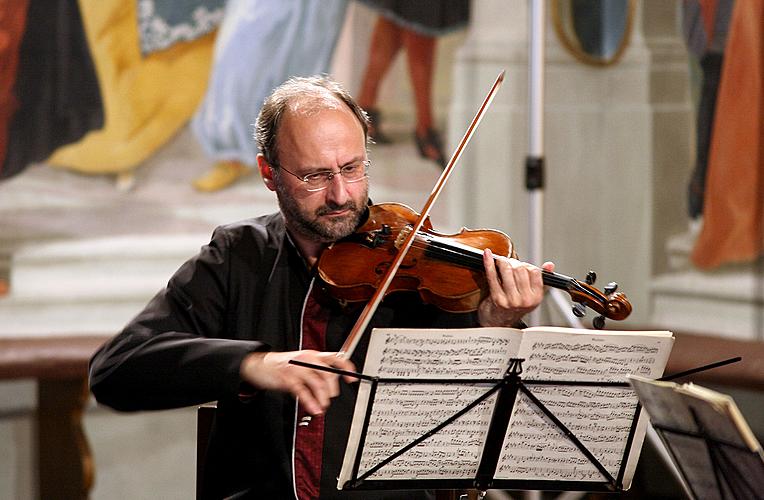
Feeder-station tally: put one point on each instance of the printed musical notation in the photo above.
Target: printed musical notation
(443, 354)
(403, 412)
(533, 449)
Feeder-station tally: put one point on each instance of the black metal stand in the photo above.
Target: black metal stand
(730, 482)
(507, 388)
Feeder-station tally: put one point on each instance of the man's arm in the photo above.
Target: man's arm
(172, 354)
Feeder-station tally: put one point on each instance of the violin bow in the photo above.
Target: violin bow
(371, 307)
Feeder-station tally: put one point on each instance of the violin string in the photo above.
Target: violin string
(442, 251)
(471, 258)
(474, 260)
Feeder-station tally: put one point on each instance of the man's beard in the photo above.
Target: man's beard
(311, 226)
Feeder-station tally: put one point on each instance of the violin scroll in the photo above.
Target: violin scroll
(609, 304)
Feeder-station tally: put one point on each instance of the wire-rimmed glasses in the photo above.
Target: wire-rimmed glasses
(318, 181)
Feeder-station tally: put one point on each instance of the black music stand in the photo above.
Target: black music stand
(725, 462)
(507, 388)
(704, 436)
(719, 451)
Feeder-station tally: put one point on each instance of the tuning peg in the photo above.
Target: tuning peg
(611, 287)
(591, 277)
(579, 310)
(599, 322)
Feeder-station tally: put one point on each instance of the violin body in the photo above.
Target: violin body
(353, 268)
(446, 270)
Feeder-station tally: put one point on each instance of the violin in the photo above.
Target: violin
(446, 270)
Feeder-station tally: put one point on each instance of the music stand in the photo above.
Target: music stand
(507, 388)
(705, 441)
(724, 457)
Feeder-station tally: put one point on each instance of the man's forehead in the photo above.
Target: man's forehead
(312, 103)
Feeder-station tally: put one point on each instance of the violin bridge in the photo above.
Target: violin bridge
(402, 236)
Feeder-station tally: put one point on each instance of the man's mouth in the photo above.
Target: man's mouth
(335, 211)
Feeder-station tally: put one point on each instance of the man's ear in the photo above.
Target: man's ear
(266, 172)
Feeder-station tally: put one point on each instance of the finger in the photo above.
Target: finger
(529, 285)
(494, 287)
(332, 360)
(548, 266)
(315, 380)
(536, 285)
(307, 400)
(328, 380)
(331, 383)
(320, 388)
(344, 364)
(512, 283)
(520, 277)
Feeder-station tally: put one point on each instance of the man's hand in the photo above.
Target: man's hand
(314, 388)
(516, 288)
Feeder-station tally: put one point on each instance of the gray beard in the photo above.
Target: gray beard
(315, 229)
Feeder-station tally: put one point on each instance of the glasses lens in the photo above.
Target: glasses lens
(350, 173)
(354, 172)
(317, 180)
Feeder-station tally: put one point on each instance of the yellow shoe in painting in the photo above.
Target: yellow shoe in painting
(222, 175)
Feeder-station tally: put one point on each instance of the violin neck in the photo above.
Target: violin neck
(472, 258)
(557, 280)
(616, 307)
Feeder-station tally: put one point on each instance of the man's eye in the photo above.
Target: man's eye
(316, 177)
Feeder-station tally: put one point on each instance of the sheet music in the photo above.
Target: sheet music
(403, 412)
(600, 417)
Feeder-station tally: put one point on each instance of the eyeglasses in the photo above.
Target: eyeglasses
(318, 181)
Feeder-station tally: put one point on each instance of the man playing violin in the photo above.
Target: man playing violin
(231, 318)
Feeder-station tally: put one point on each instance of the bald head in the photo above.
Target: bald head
(301, 96)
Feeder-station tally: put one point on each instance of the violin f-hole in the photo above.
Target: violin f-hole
(381, 268)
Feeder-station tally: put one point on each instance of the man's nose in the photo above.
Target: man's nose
(336, 191)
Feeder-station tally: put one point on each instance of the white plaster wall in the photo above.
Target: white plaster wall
(18, 478)
(143, 455)
(605, 140)
(139, 455)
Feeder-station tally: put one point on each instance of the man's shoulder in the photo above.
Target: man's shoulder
(264, 229)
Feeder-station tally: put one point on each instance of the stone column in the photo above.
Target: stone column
(600, 128)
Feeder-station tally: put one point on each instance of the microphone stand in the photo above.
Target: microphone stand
(534, 161)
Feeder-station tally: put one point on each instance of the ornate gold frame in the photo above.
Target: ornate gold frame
(573, 46)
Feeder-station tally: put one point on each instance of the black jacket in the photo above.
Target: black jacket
(242, 293)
